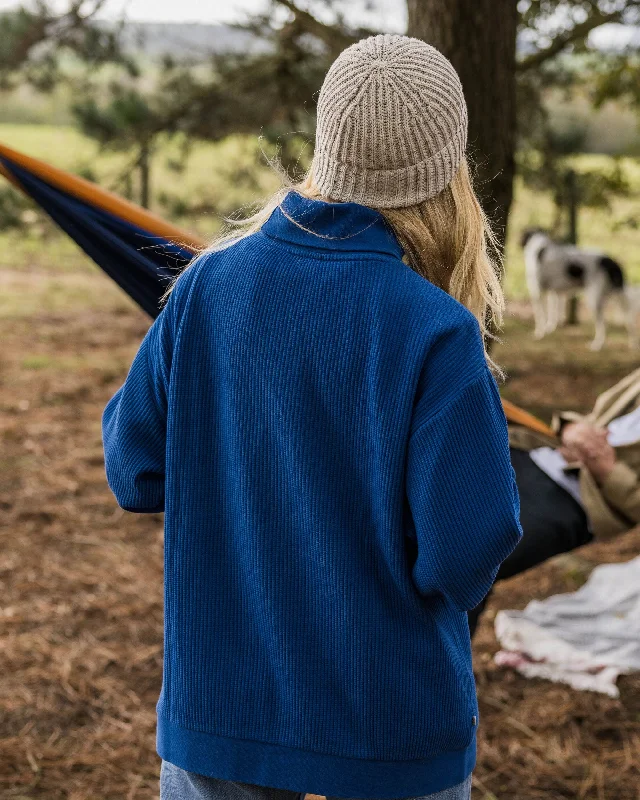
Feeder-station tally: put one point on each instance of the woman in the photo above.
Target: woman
(314, 412)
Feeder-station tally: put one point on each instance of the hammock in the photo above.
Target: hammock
(139, 250)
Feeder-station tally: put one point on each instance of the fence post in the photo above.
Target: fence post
(572, 206)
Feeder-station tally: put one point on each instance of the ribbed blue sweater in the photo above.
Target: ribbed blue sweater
(320, 427)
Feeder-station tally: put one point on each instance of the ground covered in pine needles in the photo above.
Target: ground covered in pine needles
(81, 581)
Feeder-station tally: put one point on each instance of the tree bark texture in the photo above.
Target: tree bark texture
(144, 166)
(479, 38)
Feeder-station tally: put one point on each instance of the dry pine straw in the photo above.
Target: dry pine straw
(82, 608)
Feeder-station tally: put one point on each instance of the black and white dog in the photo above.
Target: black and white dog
(560, 271)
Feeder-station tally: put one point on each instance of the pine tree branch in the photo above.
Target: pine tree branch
(335, 39)
(46, 26)
(579, 31)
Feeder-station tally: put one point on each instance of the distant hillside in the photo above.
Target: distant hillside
(193, 39)
(148, 40)
(188, 39)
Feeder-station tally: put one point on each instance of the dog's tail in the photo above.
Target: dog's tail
(613, 270)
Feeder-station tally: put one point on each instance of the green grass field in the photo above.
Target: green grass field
(234, 173)
(222, 177)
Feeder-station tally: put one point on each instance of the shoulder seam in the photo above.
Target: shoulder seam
(148, 373)
(194, 280)
(480, 374)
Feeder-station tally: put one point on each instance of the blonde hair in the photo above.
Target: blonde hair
(446, 239)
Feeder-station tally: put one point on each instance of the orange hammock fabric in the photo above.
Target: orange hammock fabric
(135, 247)
(518, 416)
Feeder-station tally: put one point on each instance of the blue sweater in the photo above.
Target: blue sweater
(320, 427)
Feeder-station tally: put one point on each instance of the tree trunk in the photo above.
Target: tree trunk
(572, 208)
(145, 176)
(479, 38)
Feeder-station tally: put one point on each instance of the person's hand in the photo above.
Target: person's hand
(574, 437)
(589, 446)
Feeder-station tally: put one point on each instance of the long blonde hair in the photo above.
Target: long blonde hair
(446, 239)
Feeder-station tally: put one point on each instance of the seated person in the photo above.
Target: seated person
(588, 487)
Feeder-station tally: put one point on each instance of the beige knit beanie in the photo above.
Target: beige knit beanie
(392, 123)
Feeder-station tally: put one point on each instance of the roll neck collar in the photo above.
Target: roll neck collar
(331, 226)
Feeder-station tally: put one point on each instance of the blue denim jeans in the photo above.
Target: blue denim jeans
(177, 784)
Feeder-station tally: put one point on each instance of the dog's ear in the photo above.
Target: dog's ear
(526, 234)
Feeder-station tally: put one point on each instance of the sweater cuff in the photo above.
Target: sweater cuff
(618, 484)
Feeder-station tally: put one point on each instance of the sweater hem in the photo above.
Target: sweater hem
(297, 770)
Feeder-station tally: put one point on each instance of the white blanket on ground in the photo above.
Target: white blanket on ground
(585, 638)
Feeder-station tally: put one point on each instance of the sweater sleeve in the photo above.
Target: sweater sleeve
(462, 495)
(134, 424)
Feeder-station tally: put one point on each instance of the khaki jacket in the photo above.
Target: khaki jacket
(613, 506)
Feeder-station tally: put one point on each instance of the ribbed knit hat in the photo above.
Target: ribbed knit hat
(392, 123)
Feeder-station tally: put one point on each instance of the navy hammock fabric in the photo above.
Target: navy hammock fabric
(142, 264)
(139, 250)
